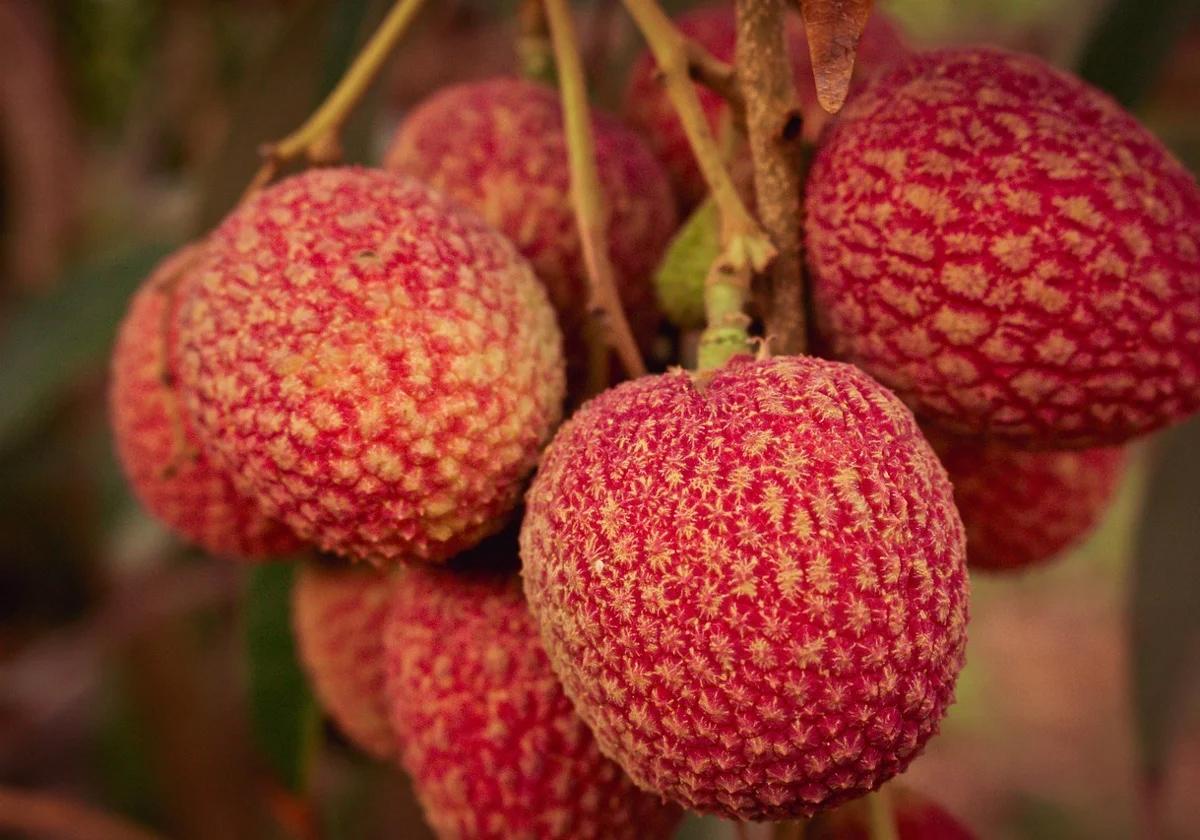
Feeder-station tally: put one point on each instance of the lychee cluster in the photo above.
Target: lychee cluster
(1021, 508)
(714, 28)
(156, 443)
(1009, 251)
(493, 745)
(499, 147)
(338, 614)
(375, 365)
(753, 586)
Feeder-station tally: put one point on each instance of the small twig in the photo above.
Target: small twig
(717, 75)
(880, 817)
(744, 243)
(317, 140)
(590, 213)
(534, 50)
(48, 816)
(773, 125)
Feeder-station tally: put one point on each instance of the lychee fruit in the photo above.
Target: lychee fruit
(752, 585)
(1021, 508)
(169, 473)
(490, 740)
(338, 616)
(1009, 251)
(714, 27)
(375, 364)
(916, 817)
(498, 146)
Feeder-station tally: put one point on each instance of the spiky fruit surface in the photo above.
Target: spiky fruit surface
(916, 818)
(338, 615)
(375, 364)
(1021, 508)
(492, 743)
(754, 594)
(1010, 251)
(167, 470)
(714, 27)
(498, 146)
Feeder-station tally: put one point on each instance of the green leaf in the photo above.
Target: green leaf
(282, 709)
(54, 340)
(1165, 623)
(681, 275)
(1130, 44)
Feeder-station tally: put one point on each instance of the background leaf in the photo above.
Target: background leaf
(833, 28)
(1130, 44)
(282, 708)
(54, 340)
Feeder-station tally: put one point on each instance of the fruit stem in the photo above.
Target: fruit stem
(317, 139)
(773, 125)
(590, 213)
(881, 820)
(534, 50)
(745, 244)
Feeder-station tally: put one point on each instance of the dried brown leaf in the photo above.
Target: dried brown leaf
(833, 27)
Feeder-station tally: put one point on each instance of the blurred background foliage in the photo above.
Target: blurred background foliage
(138, 677)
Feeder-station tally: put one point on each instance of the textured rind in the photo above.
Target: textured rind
(498, 147)
(376, 365)
(755, 595)
(1010, 251)
(490, 740)
(1021, 508)
(713, 27)
(157, 448)
(338, 615)
(917, 818)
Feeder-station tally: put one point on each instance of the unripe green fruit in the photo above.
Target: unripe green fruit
(679, 281)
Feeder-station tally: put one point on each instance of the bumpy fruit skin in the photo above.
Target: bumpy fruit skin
(498, 147)
(490, 740)
(714, 27)
(1009, 251)
(916, 818)
(338, 615)
(1021, 508)
(375, 364)
(156, 444)
(755, 593)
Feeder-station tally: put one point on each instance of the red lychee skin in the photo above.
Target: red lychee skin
(375, 364)
(714, 27)
(498, 147)
(156, 445)
(916, 818)
(754, 594)
(490, 740)
(1022, 508)
(1009, 251)
(338, 615)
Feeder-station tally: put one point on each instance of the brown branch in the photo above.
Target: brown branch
(590, 213)
(773, 125)
(718, 76)
(46, 815)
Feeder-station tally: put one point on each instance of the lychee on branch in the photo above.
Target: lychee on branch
(318, 140)
(590, 213)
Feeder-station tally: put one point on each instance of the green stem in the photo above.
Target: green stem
(590, 214)
(881, 819)
(317, 139)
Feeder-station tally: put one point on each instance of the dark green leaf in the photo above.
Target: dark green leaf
(282, 708)
(1130, 44)
(1165, 623)
(56, 339)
